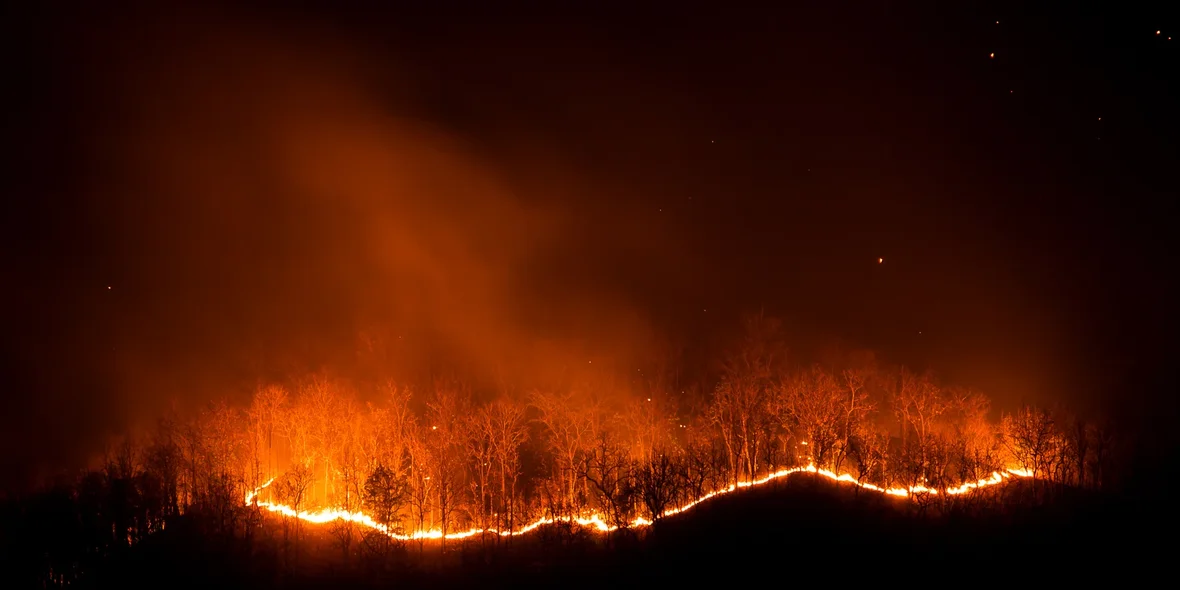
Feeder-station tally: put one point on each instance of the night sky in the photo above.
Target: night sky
(206, 198)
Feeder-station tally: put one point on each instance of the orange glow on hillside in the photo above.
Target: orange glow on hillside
(596, 522)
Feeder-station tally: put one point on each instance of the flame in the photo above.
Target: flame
(595, 521)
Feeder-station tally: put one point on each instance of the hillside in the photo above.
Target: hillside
(801, 526)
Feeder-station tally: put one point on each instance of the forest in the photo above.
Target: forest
(432, 466)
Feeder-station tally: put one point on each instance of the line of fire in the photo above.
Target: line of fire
(439, 467)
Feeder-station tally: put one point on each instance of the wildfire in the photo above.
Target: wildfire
(596, 522)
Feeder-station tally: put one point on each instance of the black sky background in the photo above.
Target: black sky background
(709, 163)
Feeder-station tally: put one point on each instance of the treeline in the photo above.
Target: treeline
(437, 458)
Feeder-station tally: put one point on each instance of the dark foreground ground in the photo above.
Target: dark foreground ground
(801, 531)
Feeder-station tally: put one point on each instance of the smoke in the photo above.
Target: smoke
(270, 202)
(267, 198)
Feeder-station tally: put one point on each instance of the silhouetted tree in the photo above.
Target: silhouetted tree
(386, 494)
(608, 470)
(292, 489)
(868, 452)
(1102, 436)
(659, 481)
(1028, 436)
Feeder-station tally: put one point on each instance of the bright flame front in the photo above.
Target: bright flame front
(595, 521)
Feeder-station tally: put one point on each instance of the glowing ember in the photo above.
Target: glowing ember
(596, 522)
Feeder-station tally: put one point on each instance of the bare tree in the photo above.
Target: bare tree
(446, 440)
(700, 468)
(393, 426)
(292, 489)
(855, 407)
(937, 468)
(353, 468)
(223, 462)
(504, 426)
(322, 405)
(975, 443)
(164, 460)
(650, 420)
(739, 409)
(1102, 437)
(659, 483)
(296, 429)
(481, 463)
(917, 402)
(422, 488)
(569, 424)
(266, 416)
(740, 413)
(607, 468)
(868, 448)
(122, 464)
(810, 403)
(1028, 436)
(1079, 442)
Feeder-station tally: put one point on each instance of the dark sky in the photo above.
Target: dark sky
(200, 197)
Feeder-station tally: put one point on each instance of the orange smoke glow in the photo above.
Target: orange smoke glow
(596, 522)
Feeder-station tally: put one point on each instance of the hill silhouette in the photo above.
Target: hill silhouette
(802, 527)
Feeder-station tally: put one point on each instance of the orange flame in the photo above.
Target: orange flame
(595, 521)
